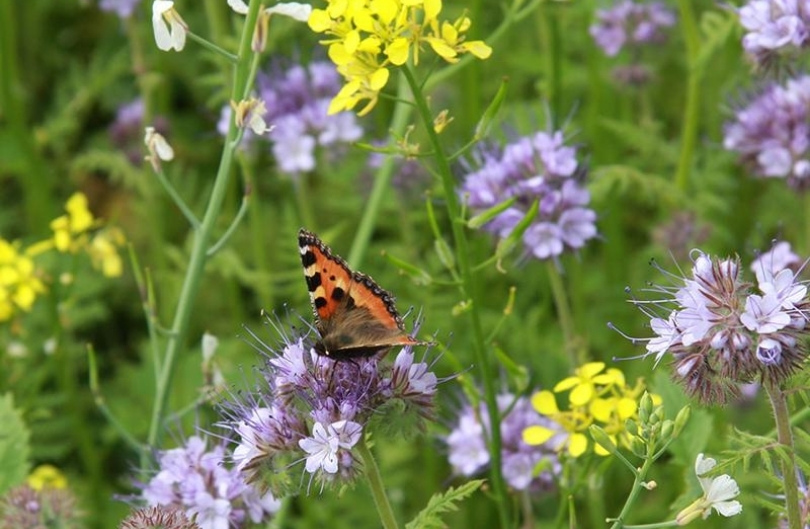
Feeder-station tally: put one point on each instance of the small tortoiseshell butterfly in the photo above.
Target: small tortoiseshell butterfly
(354, 316)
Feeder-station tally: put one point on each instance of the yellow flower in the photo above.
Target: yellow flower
(586, 378)
(19, 281)
(47, 477)
(597, 397)
(575, 422)
(366, 37)
(103, 251)
(69, 230)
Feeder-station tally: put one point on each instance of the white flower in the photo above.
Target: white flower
(159, 148)
(250, 113)
(718, 494)
(170, 29)
(239, 6)
(294, 10)
(209, 346)
(322, 448)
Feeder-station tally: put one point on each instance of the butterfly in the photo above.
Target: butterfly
(355, 317)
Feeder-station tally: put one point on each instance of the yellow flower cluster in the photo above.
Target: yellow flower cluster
(596, 397)
(72, 233)
(19, 283)
(368, 36)
(46, 477)
(77, 231)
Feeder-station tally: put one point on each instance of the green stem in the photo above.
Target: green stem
(564, 314)
(178, 200)
(785, 437)
(382, 179)
(641, 475)
(469, 292)
(198, 258)
(552, 44)
(372, 472)
(691, 115)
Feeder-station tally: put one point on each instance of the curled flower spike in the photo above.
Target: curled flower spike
(723, 332)
(770, 132)
(316, 410)
(196, 479)
(630, 24)
(169, 27)
(774, 28)
(159, 148)
(468, 454)
(718, 494)
(539, 173)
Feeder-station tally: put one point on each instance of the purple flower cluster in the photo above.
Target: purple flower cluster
(297, 102)
(467, 449)
(632, 24)
(538, 168)
(722, 332)
(772, 133)
(195, 479)
(316, 409)
(774, 26)
(122, 8)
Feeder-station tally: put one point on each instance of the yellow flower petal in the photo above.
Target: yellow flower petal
(478, 48)
(577, 444)
(590, 370)
(319, 21)
(379, 79)
(627, 408)
(566, 383)
(581, 395)
(442, 49)
(601, 409)
(432, 9)
(537, 435)
(545, 403)
(397, 51)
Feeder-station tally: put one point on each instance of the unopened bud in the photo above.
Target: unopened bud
(602, 438)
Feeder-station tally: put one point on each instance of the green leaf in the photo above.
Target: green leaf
(14, 449)
(440, 503)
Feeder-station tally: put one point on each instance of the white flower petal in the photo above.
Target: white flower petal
(294, 10)
(728, 508)
(239, 6)
(722, 488)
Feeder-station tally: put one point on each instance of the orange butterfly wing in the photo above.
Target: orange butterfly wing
(354, 315)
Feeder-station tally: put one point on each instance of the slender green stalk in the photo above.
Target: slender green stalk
(784, 436)
(470, 292)
(691, 115)
(178, 200)
(372, 472)
(564, 314)
(202, 236)
(552, 55)
(382, 179)
(640, 476)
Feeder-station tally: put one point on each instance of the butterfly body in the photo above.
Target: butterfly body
(355, 317)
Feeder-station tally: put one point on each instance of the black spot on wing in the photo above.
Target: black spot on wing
(308, 258)
(319, 302)
(338, 294)
(313, 282)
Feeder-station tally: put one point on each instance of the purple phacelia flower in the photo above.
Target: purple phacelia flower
(772, 133)
(467, 449)
(197, 481)
(297, 101)
(774, 27)
(311, 408)
(539, 168)
(122, 8)
(631, 24)
(723, 331)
